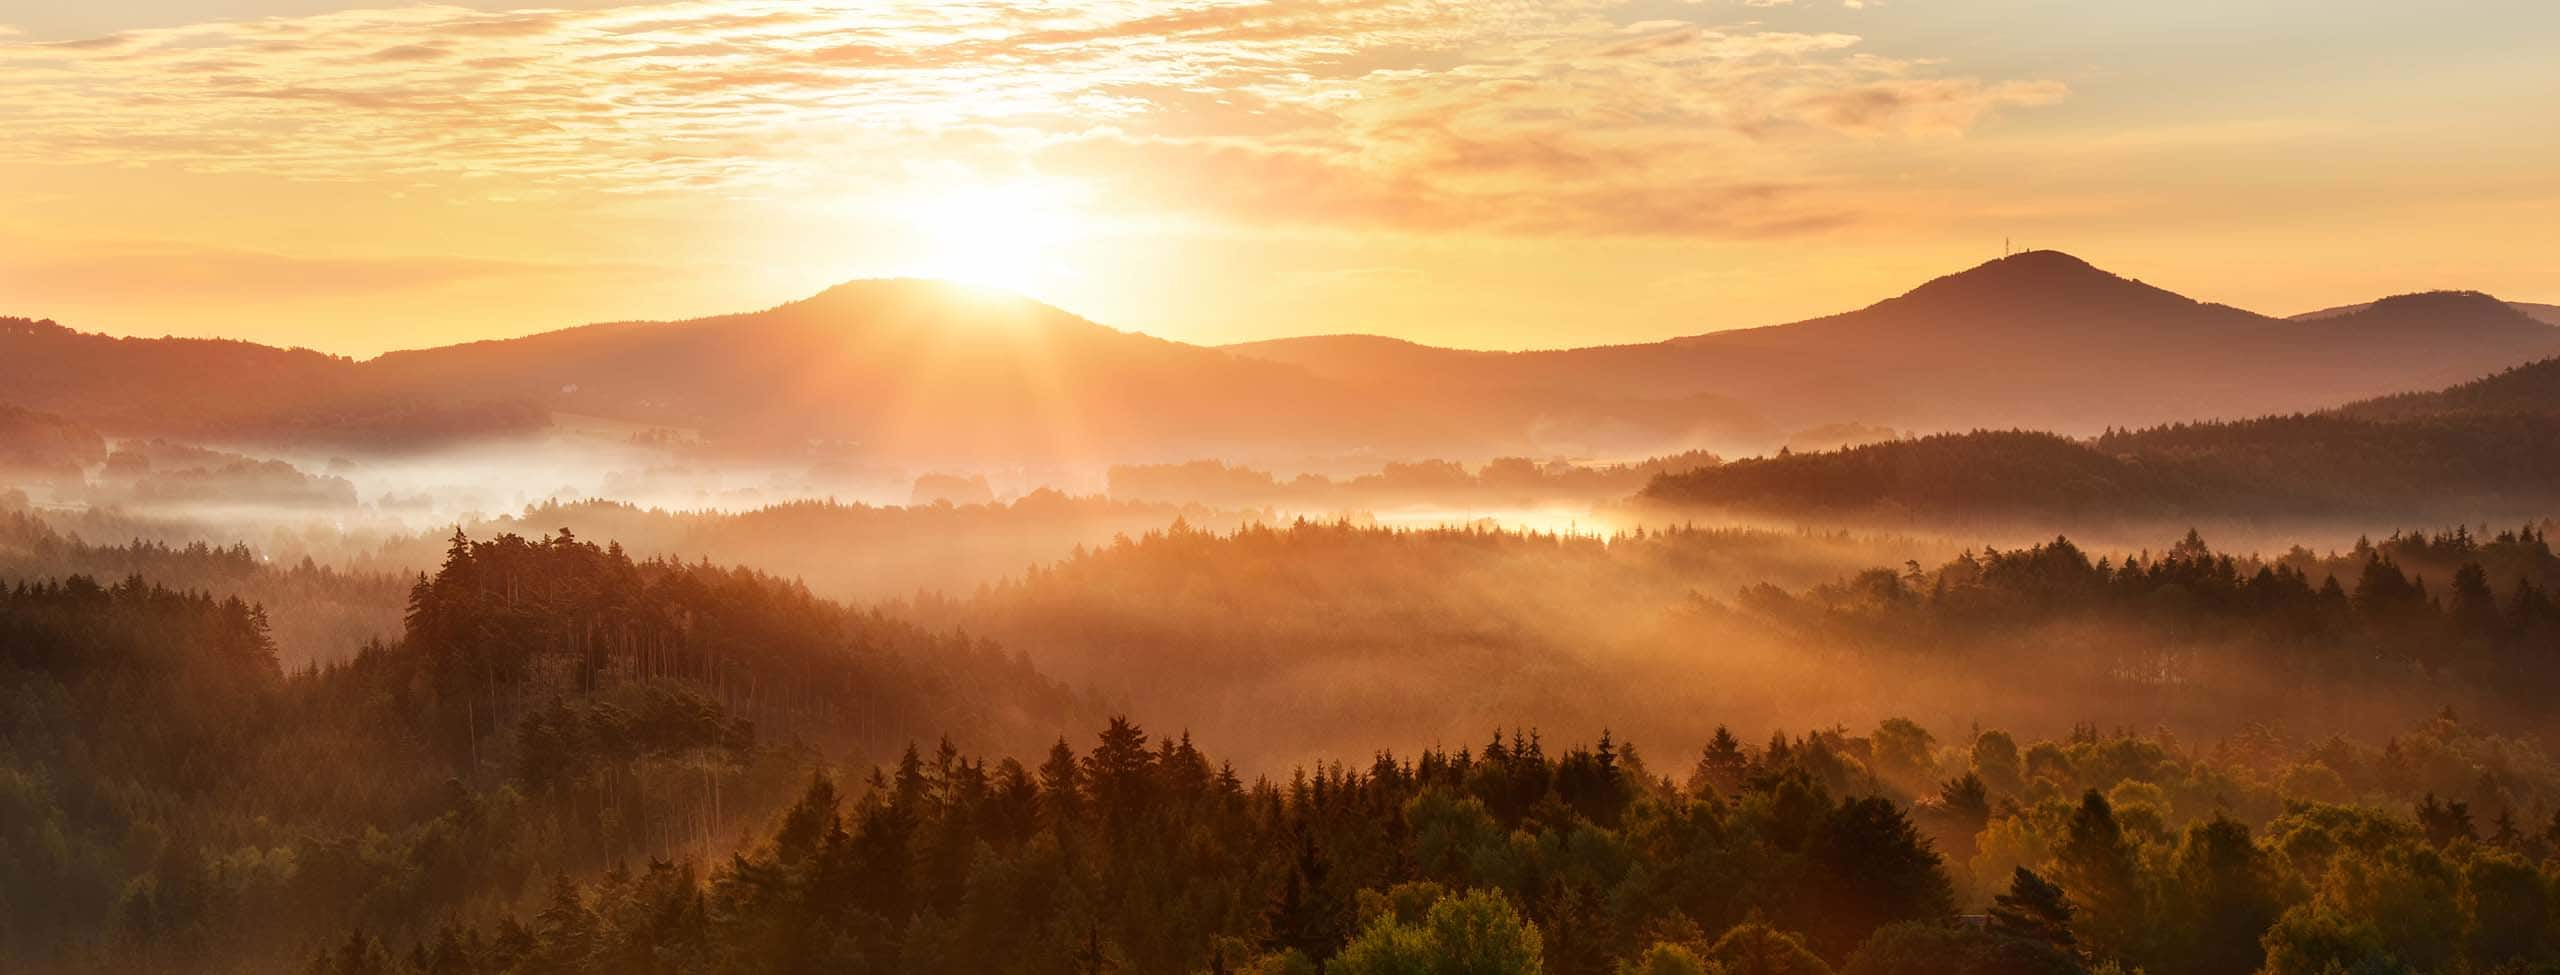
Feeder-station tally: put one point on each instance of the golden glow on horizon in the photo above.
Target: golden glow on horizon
(385, 175)
(1011, 235)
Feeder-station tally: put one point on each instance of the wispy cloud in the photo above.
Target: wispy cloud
(1494, 116)
(79, 273)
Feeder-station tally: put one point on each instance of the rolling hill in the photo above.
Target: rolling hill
(2040, 339)
(2546, 314)
(2532, 388)
(915, 369)
(927, 372)
(2486, 449)
(218, 390)
(918, 371)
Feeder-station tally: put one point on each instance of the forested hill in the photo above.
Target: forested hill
(2530, 388)
(41, 448)
(317, 612)
(511, 620)
(2488, 449)
(553, 705)
(228, 391)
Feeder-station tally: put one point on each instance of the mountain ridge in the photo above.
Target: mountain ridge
(2011, 341)
(911, 366)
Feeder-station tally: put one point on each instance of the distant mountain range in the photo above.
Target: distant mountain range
(2040, 339)
(920, 370)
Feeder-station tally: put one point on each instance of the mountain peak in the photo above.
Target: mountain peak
(2044, 262)
(930, 304)
(2041, 280)
(2030, 268)
(915, 291)
(2432, 303)
(2431, 315)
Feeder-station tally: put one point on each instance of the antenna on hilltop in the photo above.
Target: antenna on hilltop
(2004, 247)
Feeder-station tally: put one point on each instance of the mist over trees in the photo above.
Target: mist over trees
(1501, 481)
(43, 449)
(2464, 453)
(551, 704)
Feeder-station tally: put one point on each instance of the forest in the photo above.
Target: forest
(171, 790)
(1309, 632)
(568, 759)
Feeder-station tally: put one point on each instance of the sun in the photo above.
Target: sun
(1015, 235)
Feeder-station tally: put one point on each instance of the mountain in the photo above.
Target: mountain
(915, 369)
(2040, 338)
(230, 391)
(920, 371)
(2546, 314)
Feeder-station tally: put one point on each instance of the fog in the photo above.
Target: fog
(1291, 614)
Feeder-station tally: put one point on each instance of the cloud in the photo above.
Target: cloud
(411, 52)
(144, 272)
(1937, 106)
(1494, 116)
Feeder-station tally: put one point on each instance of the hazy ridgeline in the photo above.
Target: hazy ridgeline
(2473, 453)
(1504, 482)
(847, 551)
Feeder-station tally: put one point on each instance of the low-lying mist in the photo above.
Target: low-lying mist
(1350, 603)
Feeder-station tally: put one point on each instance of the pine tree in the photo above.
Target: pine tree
(2097, 866)
(2035, 909)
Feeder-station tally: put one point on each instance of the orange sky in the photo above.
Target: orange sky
(1486, 174)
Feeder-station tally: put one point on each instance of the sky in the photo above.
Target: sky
(364, 176)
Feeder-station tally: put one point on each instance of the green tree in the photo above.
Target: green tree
(2034, 909)
(1667, 959)
(2508, 909)
(1870, 867)
(2098, 866)
(1914, 948)
(1477, 933)
(1755, 948)
(2223, 896)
